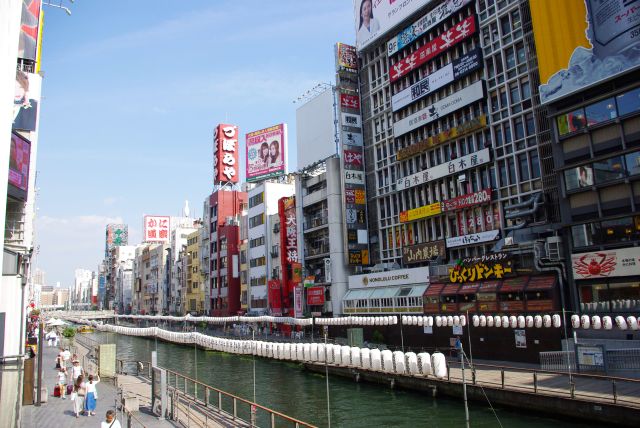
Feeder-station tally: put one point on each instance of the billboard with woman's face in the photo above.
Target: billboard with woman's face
(266, 152)
(19, 159)
(580, 43)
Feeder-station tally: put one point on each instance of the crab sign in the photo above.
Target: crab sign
(599, 264)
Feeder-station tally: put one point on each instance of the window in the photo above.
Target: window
(531, 124)
(515, 93)
(510, 57)
(601, 111)
(257, 242)
(580, 177)
(256, 200)
(629, 102)
(519, 128)
(633, 163)
(571, 122)
(535, 165)
(523, 167)
(256, 220)
(609, 169)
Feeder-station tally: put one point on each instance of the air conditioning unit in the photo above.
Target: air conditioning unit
(462, 178)
(553, 247)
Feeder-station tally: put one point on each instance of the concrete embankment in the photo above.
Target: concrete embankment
(551, 404)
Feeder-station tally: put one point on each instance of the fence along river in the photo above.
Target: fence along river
(290, 389)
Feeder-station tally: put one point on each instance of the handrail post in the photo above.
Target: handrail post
(473, 375)
(502, 376)
(448, 372)
(219, 401)
(535, 382)
(207, 392)
(273, 420)
(235, 408)
(615, 391)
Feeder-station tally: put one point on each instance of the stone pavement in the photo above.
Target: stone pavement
(57, 412)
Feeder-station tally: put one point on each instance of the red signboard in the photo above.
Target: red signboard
(353, 159)
(350, 101)
(225, 154)
(431, 49)
(468, 200)
(275, 298)
(156, 228)
(315, 296)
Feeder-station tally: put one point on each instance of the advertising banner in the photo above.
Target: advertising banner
(346, 58)
(117, 235)
(449, 73)
(453, 102)
(474, 238)
(468, 200)
(604, 264)
(26, 100)
(19, 159)
(353, 159)
(225, 154)
(352, 138)
(374, 18)
(442, 137)
(156, 228)
(349, 101)
(421, 212)
(354, 177)
(433, 48)
(424, 24)
(480, 271)
(266, 152)
(349, 119)
(275, 297)
(355, 196)
(452, 167)
(423, 252)
(29, 24)
(298, 292)
(580, 43)
(315, 296)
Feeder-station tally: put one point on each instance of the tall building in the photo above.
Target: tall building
(595, 135)
(193, 288)
(83, 288)
(116, 235)
(263, 203)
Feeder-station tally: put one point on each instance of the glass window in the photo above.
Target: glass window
(633, 163)
(526, 90)
(515, 93)
(523, 167)
(571, 122)
(505, 25)
(629, 102)
(614, 231)
(609, 169)
(593, 298)
(512, 170)
(623, 297)
(510, 58)
(601, 111)
(531, 125)
(521, 53)
(518, 127)
(584, 235)
(503, 173)
(580, 177)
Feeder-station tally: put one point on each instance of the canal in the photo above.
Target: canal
(288, 388)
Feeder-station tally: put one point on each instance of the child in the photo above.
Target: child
(62, 382)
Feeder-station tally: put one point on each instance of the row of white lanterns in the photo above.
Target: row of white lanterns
(383, 320)
(606, 322)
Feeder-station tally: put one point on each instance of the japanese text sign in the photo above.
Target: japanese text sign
(423, 252)
(225, 154)
(156, 228)
(479, 272)
(349, 101)
(315, 296)
(346, 58)
(421, 212)
(468, 200)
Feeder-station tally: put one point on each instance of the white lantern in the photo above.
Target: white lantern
(490, 321)
(483, 321)
(537, 321)
(450, 321)
(546, 320)
(438, 321)
(606, 322)
(429, 321)
(596, 322)
(404, 320)
(585, 321)
(420, 321)
(621, 322)
(632, 323)
(476, 320)
(456, 320)
(521, 321)
(513, 321)
(575, 321)
(497, 321)
(557, 321)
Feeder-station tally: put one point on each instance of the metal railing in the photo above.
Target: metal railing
(615, 359)
(606, 389)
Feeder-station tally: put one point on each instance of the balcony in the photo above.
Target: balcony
(312, 223)
(14, 228)
(314, 197)
(316, 251)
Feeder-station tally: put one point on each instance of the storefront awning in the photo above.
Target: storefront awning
(469, 288)
(384, 292)
(489, 286)
(514, 284)
(543, 282)
(357, 294)
(450, 289)
(434, 289)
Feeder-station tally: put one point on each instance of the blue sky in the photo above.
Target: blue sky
(132, 92)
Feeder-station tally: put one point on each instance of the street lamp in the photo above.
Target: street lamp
(59, 6)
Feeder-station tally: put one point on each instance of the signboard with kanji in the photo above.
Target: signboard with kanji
(156, 228)
(480, 271)
(225, 154)
(423, 252)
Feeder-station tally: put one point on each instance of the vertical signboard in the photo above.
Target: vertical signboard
(288, 247)
(266, 152)
(29, 25)
(352, 163)
(583, 42)
(225, 154)
(26, 100)
(116, 235)
(19, 159)
(298, 306)
(156, 228)
(275, 299)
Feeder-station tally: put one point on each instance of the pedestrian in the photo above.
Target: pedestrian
(77, 395)
(110, 420)
(48, 338)
(76, 370)
(458, 346)
(92, 395)
(62, 382)
(60, 359)
(65, 357)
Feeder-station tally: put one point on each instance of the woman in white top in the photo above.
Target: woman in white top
(92, 395)
(76, 370)
(368, 24)
(78, 394)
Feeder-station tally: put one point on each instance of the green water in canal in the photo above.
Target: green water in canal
(288, 388)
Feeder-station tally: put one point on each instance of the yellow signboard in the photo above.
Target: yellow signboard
(421, 212)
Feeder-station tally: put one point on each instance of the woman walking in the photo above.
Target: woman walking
(78, 395)
(92, 395)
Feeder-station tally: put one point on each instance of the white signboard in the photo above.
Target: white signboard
(474, 238)
(395, 277)
(451, 167)
(602, 264)
(349, 119)
(373, 18)
(440, 108)
(352, 138)
(424, 24)
(353, 177)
